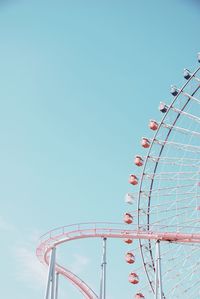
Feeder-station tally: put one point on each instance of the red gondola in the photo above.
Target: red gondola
(128, 218)
(138, 161)
(133, 180)
(133, 278)
(153, 125)
(145, 142)
(130, 258)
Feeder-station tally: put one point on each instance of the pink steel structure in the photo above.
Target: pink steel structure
(166, 207)
(56, 237)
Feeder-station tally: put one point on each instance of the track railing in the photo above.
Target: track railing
(68, 233)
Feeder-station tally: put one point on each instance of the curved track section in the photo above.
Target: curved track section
(68, 233)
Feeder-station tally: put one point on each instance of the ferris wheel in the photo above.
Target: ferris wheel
(168, 198)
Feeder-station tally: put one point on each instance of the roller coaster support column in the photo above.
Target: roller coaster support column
(103, 272)
(158, 274)
(50, 288)
(57, 280)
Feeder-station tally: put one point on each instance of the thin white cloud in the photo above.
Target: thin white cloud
(79, 264)
(32, 273)
(5, 226)
(29, 270)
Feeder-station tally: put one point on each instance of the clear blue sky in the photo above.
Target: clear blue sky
(79, 82)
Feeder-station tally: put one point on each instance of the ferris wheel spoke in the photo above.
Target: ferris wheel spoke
(154, 212)
(189, 96)
(181, 130)
(185, 277)
(191, 289)
(175, 161)
(181, 146)
(188, 222)
(169, 219)
(173, 264)
(189, 175)
(174, 261)
(169, 191)
(196, 78)
(170, 203)
(183, 113)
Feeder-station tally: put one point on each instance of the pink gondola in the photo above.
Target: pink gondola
(145, 142)
(128, 218)
(138, 161)
(133, 278)
(127, 239)
(139, 296)
(153, 125)
(130, 258)
(133, 180)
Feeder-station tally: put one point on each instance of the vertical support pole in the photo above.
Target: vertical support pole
(158, 273)
(103, 272)
(57, 280)
(51, 275)
(104, 268)
(101, 285)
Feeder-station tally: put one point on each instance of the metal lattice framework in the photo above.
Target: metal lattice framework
(54, 238)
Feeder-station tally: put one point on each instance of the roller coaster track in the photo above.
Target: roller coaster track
(68, 233)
